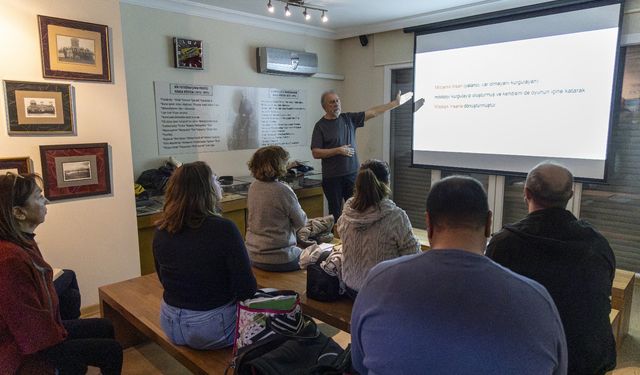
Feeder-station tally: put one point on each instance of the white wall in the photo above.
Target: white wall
(94, 236)
(363, 68)
(229, 51)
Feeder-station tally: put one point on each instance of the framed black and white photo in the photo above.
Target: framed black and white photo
(39, 108)
(74, 49)
(72, 171)
(188, 53)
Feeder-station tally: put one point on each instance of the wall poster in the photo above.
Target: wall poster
(194, 118)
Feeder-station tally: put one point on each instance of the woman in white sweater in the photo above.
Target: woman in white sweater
(274, 213)
(372, 228)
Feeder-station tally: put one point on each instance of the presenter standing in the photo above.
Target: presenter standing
(334, 142)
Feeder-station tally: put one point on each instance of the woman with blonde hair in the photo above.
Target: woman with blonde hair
(274, 213)
(372, 228)
(32, 333)
(201, 262)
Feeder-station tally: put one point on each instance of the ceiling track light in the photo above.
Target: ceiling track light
(299, 4)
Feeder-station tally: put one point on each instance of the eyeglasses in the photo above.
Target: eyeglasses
(13, 184)
(15, 178)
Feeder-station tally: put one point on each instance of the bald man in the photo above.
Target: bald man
(571, 259)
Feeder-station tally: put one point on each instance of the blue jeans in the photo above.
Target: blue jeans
(212, 329)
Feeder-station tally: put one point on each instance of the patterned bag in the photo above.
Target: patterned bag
(267, 312)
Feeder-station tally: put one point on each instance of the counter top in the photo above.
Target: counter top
(156, 203)
(228, 199)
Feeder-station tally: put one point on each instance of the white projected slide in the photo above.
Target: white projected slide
(527, 97)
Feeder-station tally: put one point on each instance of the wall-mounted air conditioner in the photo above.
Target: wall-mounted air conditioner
(285, 62)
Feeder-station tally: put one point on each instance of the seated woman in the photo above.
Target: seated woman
(201, 262)
(274, 213)
(372, 228)
(30, 326)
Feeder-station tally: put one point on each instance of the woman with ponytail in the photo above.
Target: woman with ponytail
(372, 228)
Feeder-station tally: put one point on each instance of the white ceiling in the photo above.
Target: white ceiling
(349, 18)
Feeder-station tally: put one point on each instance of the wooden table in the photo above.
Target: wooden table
(336, 313)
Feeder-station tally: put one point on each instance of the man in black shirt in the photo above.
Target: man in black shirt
(571, 259)
(334, 142)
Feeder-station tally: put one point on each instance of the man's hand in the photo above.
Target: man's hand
(403, 98)
(382, 108)
(346, 150)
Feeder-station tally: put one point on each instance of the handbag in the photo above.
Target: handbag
(267, 312)
(322, 286)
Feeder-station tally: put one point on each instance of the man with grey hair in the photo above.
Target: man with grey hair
(571, 259)
(334, 141)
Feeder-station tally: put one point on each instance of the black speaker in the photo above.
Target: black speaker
(364, 40)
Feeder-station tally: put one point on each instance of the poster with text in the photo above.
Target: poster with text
(207, 118)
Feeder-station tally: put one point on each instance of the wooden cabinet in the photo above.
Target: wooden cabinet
(235, 210)
(311, 201)
(145, 242)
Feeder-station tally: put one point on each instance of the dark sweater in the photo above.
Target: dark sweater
(203, 268)
(577, 266)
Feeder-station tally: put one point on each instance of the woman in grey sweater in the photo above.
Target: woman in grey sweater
(372, 228)
(274, 213)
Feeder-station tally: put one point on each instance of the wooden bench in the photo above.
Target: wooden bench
(621, 294)
(423, 238)
(614, 319)
(336, 313)
(133, 306)
(621, 298)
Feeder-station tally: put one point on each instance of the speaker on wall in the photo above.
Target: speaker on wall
(364, 40)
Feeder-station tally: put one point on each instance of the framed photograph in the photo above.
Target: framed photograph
(39, 108)
(15, 165)
(73, 171)
(188, 53)
(74, 50)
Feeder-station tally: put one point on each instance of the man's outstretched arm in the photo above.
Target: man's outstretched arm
(382, 108)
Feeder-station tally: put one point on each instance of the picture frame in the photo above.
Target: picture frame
(17, 165)
(74, 50)
(75, 170)
(188, 53)
(39, 108)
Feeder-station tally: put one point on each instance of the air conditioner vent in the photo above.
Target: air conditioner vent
(285, 62)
